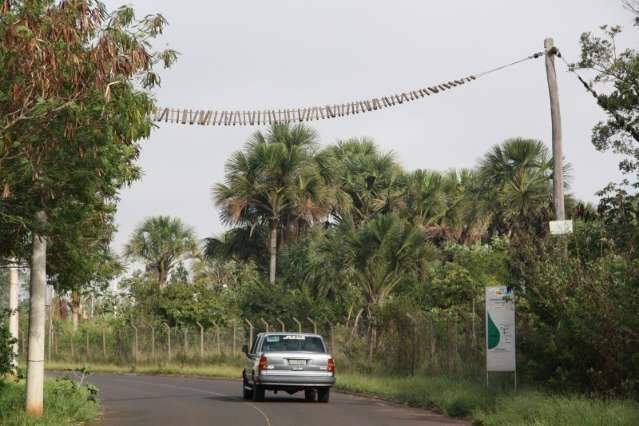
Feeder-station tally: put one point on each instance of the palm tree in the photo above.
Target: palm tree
(517, 180)
(382, 252)
(161, 242)
(275, 182)
(366, 177)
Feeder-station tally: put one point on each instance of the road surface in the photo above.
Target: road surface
(165, 400)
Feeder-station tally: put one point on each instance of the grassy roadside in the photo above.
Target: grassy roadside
(65, 403)
(454, 398)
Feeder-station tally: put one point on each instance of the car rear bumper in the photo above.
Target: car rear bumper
(304, 381)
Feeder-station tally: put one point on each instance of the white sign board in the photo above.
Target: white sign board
(560, 227)
(500, 329)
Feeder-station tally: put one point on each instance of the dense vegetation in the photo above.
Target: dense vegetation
(340, 233)
(361, 241)
(66, 403)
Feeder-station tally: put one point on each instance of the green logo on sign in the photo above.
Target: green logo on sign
(493, 333)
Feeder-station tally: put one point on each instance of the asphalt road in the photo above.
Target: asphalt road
(163, 400)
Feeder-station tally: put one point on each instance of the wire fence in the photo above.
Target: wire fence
(435, 343)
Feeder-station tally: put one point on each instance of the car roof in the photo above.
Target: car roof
(284, 333)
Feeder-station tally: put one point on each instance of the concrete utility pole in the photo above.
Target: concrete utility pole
(555, 114)
(14, 325)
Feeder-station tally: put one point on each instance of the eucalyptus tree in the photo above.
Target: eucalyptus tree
(275, 182)
(73, 105)
(161, 242)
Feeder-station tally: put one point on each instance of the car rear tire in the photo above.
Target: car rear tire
(258, 393)
(324, 395)
(247, 392)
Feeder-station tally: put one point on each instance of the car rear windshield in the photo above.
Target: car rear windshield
(292, 343)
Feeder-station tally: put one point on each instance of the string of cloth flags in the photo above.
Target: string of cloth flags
(304, 114)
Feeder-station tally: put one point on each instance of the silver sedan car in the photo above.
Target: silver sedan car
(288, 362)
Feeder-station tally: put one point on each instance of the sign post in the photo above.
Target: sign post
(500, 331)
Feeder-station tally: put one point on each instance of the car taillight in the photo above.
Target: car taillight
(331, 365)
(263, 365)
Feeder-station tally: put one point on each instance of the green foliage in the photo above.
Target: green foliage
(6, 348)
(580, 322)
(189, 303)
(161, 242)
(617, 72)
(65, 403)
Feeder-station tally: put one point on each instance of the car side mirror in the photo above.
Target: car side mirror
(245, 349)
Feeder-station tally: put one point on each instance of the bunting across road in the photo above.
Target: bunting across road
(258, 117)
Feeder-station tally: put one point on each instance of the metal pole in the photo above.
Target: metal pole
(135, 344)
(282, 325)
(153, 342)
(265, 324)
(201, 339)
(104, 353)
(234, 336)
(87, 349)
(217, 337)
(250, 333)
(185, 341)
(555, 115)
(299, 325)
(314, 324)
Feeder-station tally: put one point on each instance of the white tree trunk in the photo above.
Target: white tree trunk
(14, 325)
(35, 360)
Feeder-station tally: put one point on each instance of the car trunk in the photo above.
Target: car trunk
(308, 362)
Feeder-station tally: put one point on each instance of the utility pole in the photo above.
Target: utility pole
(555, 114)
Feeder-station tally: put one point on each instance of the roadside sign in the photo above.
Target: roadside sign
(560, 227)
(500, 329)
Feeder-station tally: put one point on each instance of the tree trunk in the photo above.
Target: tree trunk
(273, 254)
(162, 275)
(35, 360)
(14, 325)
(76, 306)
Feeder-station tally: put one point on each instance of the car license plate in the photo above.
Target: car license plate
(297, 362)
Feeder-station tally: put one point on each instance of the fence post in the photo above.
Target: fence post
(234, 337)
(87, 349)
(135, 346)
(250, 333)
(282, 324)
(332, 328)
(152, 342)
(414, 354)
(217, 337)
(473, 326)
(186, 346)
(314, 324)
(72, 335)
(265, 324)
(299, 325)
(55, 343)
(104, 354)
(50, 343)
(168, 335)
(201, 339)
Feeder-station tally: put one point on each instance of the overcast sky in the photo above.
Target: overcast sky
(260, 54)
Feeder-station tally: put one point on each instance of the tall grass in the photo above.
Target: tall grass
(65, 403)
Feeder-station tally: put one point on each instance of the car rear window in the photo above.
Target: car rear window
(292, 343)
